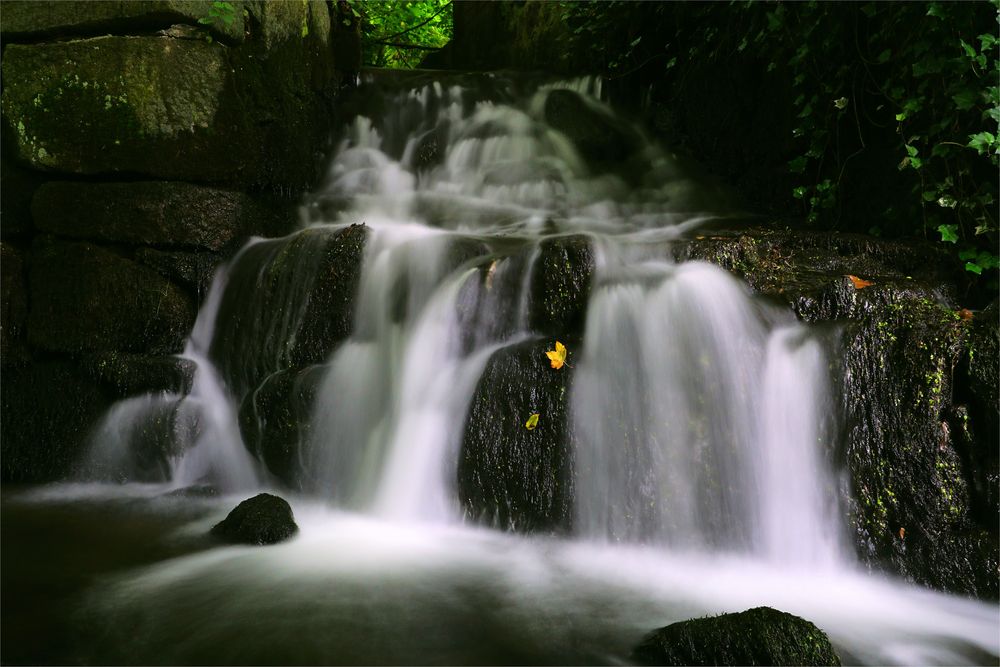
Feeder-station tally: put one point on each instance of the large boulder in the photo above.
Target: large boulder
(263, 519)
(509, 475)
(29, 19)
(761, 636)
(149, 213)
(190, 269)
(121, 105)
(125, 375)
(560, 285)
(601, 138)
(178, 106)
(85, 298)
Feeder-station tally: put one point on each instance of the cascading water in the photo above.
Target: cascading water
(699, 417)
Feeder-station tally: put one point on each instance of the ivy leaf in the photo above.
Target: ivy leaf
(532, 422)
(974, 268)
(949, 233)
(965, 100)
(884, 56)
(840, 103)
(557, 356)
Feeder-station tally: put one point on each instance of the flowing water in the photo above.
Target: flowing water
(700, 418)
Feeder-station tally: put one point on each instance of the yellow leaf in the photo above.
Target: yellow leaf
(532, 422)
(860, 283)
(557, 356)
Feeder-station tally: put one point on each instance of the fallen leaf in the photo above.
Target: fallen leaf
(859, 283)
(532, 422)
(557, 356)
(902, 533)
(489, 275)
(966, 314)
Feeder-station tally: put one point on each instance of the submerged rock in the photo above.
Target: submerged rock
(509, 475)
(263, 519)
(760, 636)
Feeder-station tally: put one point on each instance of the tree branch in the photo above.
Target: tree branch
(399, 45)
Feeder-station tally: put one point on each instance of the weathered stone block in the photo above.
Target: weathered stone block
(148, 213)
(32, 19)
(151, 105)
(85, 298)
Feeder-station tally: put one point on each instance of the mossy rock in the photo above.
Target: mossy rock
(560, 285)
(508, 475)
(760, 636)
(275, 420)
(149, 213)
(85, 298)
(263, 519)
(127, 105)
(191, 270)
(602, 139)
(32, 20)
(48, 409)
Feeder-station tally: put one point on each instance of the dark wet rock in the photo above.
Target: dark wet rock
(13, 305)
(760, 636)
(288, 303)
(26, 19)
(163, 432)
(196, 491)
(601, 138)
(85, 298)
(47, 409)
(808, 270)
(263, 519)
(131, 374)
(910, 491)
(508, 475)
(149, 213)
(275, 420)
(560, 285)
(193, 270)
(977, 385)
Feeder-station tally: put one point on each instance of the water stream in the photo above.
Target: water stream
(701, 421)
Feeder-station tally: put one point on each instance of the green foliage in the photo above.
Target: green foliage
(220, 13)
(899, 96)
(399, 34)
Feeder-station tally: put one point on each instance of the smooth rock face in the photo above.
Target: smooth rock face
(263, 519)
(112, 105)
(761, 636)
(85, 298)
(508, 475)
(151, 212)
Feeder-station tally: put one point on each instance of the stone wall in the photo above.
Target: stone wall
(142, 143)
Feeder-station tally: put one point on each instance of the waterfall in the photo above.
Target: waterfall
(696, 415)
(461, 230)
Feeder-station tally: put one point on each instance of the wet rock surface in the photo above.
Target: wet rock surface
(760, 636)
(509, 475)
(263, 519)
(560, 285)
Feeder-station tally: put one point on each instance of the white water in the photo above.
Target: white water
(700, 420)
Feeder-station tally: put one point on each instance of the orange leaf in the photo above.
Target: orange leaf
(965, 314)
(902, 533)
(860, 283)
